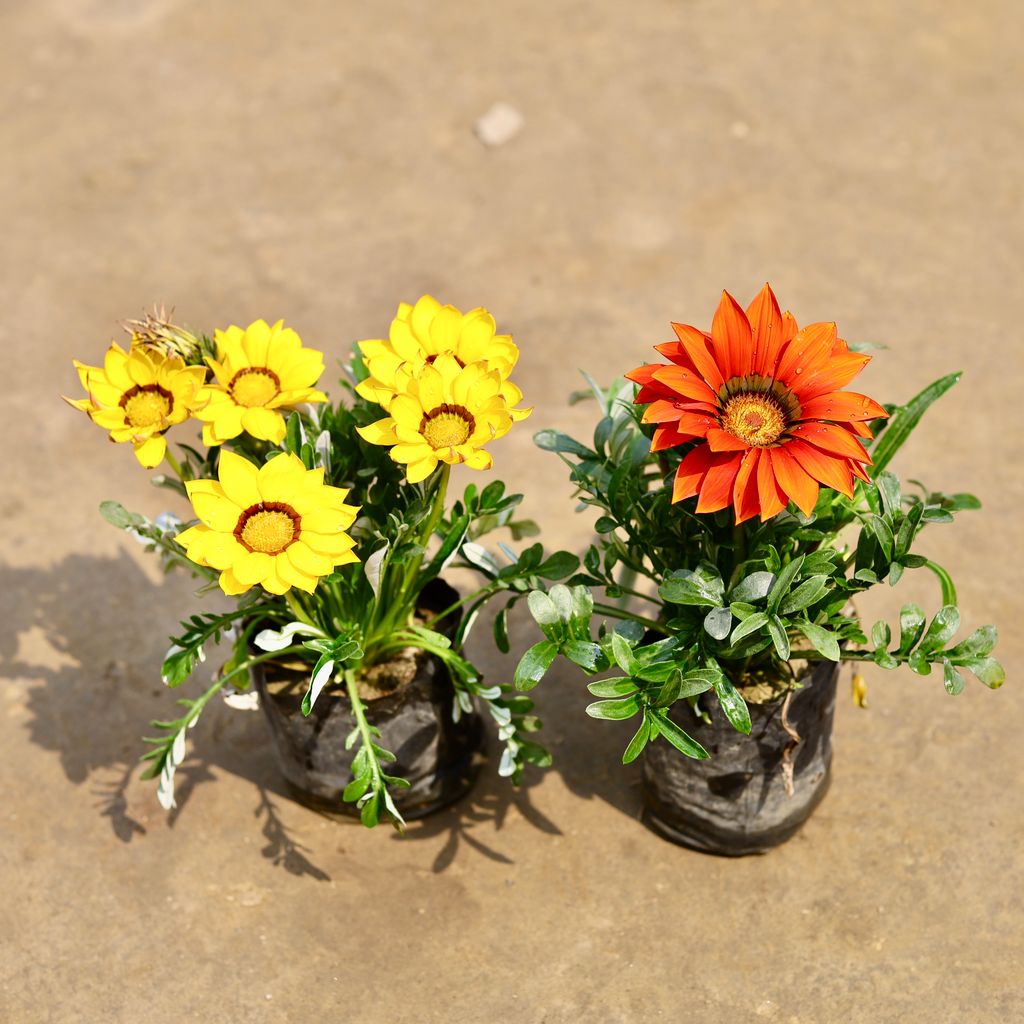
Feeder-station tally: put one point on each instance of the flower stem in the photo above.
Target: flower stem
(615, 612)
(174, 464)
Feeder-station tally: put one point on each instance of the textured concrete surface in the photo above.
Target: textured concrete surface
(316, 160)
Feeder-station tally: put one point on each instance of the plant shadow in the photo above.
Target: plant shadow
(85, 638)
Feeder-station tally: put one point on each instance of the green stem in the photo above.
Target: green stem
(615, 612)
(297, 610)
(365, 736)
(174, 464)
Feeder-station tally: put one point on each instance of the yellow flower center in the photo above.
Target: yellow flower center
(146, 405)
(756, 419)
(268, 527)
(255, 387)
(447, 426)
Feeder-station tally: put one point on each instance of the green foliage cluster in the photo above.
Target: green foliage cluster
(706, 605)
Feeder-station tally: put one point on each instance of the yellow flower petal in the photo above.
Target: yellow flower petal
(281, 476)
(417, 471)
(252, 567)
(215, 511)
(381, 432)
(221, 550)
(264, 424)
(150, 452)
(240, 480)
(293, 576)
(308, 561)
(231, 586)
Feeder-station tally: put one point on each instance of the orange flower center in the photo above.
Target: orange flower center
(255, 387)
(146, 405)
(756, 419)
(270, 527)
(447, 426)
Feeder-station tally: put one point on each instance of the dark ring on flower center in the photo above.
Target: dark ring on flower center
(153, 389)
(268, 506)
(449, 409)
(263, 370)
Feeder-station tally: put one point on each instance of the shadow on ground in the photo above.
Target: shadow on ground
(81, 636)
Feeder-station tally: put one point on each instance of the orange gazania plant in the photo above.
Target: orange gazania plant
(326, 522)
(745, 499)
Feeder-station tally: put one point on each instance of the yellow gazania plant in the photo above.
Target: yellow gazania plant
(326, 521)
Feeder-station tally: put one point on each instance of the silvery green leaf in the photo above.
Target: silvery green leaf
(279, 639)
(321, 677)
(479, 556)
(372, 567)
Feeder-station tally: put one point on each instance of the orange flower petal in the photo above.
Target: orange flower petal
(676, 351)
(643, 374)
(722, 441)
(685, 382)
(730, 337)
(716, 488)
(690, 474)
(841, 405)
(831, 438)
(661, 411)
(744, 495)
(667, 436)
(840, 369)
(772, 500)
(766, 330)
(795, 482)
(698, 348)
(806, 355)
(830, 471)
(860, 429)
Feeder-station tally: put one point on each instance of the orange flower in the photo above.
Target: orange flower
(762, 399)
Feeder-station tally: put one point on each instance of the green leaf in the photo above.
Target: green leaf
(558, 566)
(889, 490)
(919, 663)
(500, 630)
(293, 434)
(980, 642)
(733, 704)
(620, 686)
(942, 628)
(117, 515)
(821, 639)
(988, 670)
(881, 635)
(749, 625)
(813, 589)
(615, 710)
(780, 587)
(904, 419)
(912, 621)
(533, 664)
(697, 681)
(356, 788)
(702, 587)
(777, 631)
(542, 608)
(679, 739)
(952, 679)
(638, 742)
(623, 653)
(583, 653)
(752, 587)
(555, 441)
(718, 622)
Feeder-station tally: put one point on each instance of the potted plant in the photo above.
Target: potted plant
(329, 526)
(745, 501)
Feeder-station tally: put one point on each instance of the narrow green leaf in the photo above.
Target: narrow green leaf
(942, 628)
(638, 742)
(988, 670)
(733, 704)
(813, 589)
(980, 642)
(952, 679)
(619, 686)
(679, 739)
(783, 582)
(903, 420)
(749, 625)
(912, 621)
(555, 441)
(752, 587)
(777, 631)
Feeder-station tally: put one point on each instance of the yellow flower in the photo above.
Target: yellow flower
(447, 413)
(137, 395)
(260, 371)
(280, 525)
(421, 333)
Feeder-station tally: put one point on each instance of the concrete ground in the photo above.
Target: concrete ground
(316, 161)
